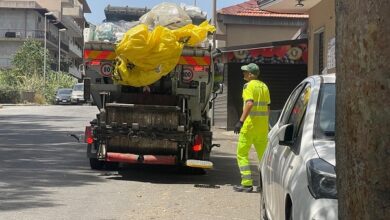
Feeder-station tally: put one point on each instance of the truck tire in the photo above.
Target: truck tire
(96, 164)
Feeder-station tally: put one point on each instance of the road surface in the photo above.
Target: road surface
(44, 174)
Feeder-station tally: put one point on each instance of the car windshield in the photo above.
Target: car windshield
(326, 111)
(64, 91)
(79, 87)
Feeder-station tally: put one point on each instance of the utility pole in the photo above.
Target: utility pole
(214, 22)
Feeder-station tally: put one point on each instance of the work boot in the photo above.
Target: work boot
(242, 188)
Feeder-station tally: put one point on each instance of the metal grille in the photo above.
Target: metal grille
(160, 117)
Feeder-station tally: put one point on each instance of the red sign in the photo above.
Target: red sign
(106, 69)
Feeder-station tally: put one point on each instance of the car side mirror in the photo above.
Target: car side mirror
(285, 135)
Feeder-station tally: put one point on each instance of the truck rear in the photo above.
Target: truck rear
(166, 122)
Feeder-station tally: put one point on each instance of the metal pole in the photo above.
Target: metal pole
(44, 53)
(59, 51)
(59, 47)
(214, 21)
(44, 59)
(194, 2)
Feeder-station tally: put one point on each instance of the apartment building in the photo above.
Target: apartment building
(22, 20)
(321, 29)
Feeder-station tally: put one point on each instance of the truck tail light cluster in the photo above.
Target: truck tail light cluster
(88, 135)
(198, 142)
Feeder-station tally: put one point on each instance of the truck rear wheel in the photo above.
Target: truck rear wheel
(96, 164)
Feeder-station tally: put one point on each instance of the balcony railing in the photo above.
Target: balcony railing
(76, 49)
(23, 34)
(70, 23)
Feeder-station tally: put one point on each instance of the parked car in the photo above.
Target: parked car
(63, 96)
(297, 171)
(78, 93)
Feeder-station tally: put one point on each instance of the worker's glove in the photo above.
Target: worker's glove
(238, 126)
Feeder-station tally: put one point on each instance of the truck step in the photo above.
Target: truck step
(199, 164)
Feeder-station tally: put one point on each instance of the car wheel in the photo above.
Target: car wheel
(289, 208)
(263, 213)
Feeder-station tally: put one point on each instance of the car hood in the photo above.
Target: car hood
(326, 150)
(77, 92)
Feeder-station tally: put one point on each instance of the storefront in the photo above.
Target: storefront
(283, 65)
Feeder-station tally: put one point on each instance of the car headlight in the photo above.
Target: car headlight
(322, 179)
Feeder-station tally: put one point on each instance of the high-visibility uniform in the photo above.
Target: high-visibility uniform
(255, 128)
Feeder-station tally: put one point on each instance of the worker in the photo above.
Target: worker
(253, 124)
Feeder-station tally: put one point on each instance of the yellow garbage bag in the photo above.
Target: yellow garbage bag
(144, 56)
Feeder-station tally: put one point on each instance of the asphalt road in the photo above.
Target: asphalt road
(44, 174)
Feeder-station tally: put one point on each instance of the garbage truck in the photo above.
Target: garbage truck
(166, 122)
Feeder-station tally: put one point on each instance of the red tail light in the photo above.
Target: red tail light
(88, 135)
(198, 68)
(197, 143)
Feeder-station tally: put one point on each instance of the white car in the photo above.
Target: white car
(77, 93)
(297, 171)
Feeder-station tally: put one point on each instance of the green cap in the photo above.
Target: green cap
(252, 68)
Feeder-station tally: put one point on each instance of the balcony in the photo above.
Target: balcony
(21, 34)
(67, 3)
(76, 49)
(70, 23)
(75, 72)
(76, 12)
(286, 6)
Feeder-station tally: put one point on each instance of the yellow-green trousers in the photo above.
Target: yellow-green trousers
(245, 142)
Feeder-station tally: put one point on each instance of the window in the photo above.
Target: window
(319, 51)
(299, 110)
(326, 112)
(290, 103)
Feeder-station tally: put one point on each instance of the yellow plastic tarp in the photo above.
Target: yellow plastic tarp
(144, 56)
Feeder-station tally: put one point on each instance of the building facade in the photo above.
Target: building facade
(245, 23)
(321, 29)
(22, 20)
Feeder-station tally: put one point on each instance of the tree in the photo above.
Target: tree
(363, 108)
(29, 58)
(27, 74)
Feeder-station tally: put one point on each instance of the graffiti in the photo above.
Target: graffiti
(284, 54)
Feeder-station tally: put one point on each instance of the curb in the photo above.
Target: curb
(30, 104)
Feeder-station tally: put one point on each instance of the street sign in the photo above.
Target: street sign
(106, 69)
(187, 75)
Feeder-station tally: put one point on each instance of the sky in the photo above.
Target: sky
(97, 6)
